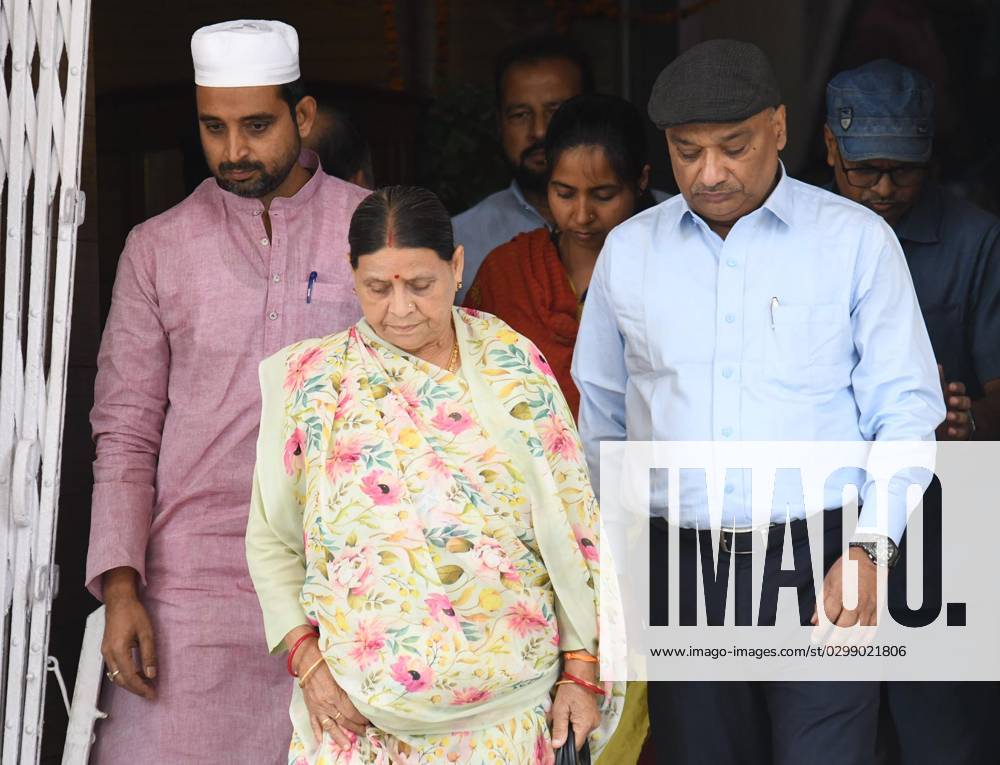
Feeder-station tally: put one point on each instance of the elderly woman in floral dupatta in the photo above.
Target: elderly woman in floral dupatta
(423, 531)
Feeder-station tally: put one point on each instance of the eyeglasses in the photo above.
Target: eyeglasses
(866, 176)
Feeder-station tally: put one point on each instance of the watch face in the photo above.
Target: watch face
(873, 552)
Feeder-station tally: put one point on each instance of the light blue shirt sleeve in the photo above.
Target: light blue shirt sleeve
(896, 383)
(599, 370)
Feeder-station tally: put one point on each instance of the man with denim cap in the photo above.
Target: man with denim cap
(879, 139)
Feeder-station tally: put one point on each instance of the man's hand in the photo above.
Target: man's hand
(833, 593)
(126, 628)
(958, 424)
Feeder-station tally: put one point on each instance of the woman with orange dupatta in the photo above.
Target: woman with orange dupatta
(595, 148)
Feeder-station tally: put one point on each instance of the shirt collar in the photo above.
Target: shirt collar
(923, 222)
(779, 202)
(519, 196)
(522, 201)
(525, 205)
(310, 161)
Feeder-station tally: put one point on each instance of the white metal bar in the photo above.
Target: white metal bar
(4, 100)
(65, 18)
(30, 130)
(11, 368)
(58, 118)
(70, 217)
(25, 670)
(83, 713)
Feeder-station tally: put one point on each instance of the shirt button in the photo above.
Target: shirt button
(727, 432)
(264, 241)
(276, 278)
(730, 318)
(731, 263)
(730, 488)
(727, 372)
(273, 315)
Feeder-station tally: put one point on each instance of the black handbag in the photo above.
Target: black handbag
(567, 754)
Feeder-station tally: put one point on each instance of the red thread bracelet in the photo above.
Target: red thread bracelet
(295, 647)
(583, 683)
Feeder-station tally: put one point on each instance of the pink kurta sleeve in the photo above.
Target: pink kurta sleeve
(130, 399)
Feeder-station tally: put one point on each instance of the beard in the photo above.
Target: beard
(529, 180)
(267, 180)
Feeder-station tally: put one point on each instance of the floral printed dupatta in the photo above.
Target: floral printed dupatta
(449, 525)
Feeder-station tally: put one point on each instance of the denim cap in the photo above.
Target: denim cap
(881, 110)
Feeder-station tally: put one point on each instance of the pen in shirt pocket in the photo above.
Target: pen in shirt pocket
(309, 286)
(774, 304)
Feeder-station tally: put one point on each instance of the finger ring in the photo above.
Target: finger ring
(113, 675)
(338, 715)
(326, 722)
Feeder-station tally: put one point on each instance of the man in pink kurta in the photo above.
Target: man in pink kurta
(203, 293)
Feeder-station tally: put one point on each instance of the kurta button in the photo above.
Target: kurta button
(264, 241)
(730, 318)
(727, 372)
(730, 488)
(276, 278)
(727, 432)
(731, 263)
(273, 315)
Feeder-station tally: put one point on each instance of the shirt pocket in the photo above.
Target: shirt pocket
(327, 317)
(332, 307)
(809, 345)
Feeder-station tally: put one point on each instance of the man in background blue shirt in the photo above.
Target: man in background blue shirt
(753, 307)
(879, 139)
(533, 78)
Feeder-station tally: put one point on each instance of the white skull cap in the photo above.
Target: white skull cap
(245, 53)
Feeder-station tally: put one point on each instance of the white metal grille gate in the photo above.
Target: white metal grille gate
(43, 54)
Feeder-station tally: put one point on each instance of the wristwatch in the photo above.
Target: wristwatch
(887, 555)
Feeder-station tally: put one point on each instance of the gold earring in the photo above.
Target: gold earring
(459, 286)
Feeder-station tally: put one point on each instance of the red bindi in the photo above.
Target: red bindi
(395, 276)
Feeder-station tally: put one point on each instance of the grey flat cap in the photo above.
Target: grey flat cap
(715, 81)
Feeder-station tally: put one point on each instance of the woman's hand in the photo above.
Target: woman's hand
(574, 703)
(330, 709)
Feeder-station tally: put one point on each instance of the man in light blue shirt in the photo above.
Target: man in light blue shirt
(753, 307)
